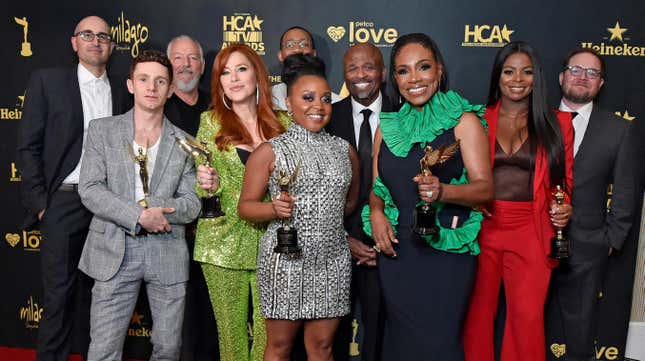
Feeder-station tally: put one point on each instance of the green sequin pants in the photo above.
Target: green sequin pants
(229, 293)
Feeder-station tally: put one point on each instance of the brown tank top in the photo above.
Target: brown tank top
(513, 173)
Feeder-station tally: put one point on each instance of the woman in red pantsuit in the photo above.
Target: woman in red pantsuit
(531, 150)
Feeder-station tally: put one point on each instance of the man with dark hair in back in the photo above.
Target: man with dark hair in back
(140, 185)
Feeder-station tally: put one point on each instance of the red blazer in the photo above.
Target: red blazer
(541, 184)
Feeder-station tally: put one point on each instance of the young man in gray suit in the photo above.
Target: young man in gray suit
(601, 157)
(139, 184)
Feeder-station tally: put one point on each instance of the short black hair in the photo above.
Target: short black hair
(152, 56)
(581, 50)
(313, 45)
(298, 65)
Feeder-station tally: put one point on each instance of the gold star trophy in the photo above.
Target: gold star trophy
(141, 159)
(25, 49)
(425, 216)
(211, 204)
(559, 244)
(287, 234)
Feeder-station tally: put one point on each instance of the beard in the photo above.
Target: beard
(187, 86)
(582, 96)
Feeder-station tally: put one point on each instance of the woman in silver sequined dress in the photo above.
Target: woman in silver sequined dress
(310, 288)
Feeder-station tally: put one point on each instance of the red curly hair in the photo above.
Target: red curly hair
(232, 131)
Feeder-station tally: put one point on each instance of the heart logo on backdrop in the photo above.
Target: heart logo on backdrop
(335, 32)
(12, 238)
(558, 349)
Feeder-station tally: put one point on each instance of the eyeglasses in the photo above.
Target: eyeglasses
(88, 35)
(577, 71)
(292, 44)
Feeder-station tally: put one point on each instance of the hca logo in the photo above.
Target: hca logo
(243, 28)
(487, 35)
(363, 32)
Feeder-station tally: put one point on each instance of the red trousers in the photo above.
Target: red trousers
(510, 253)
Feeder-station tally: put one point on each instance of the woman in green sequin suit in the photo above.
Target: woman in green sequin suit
(240, 119)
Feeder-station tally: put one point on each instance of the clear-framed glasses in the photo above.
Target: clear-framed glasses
(577, 71)
(88, 35)
(293, 44)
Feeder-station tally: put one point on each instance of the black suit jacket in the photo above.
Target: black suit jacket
(342, 125)
(51, 134)
(603, 158)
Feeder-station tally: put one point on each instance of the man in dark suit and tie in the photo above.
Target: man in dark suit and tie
(59, 105)
(602, 157)
(355, 119)
(140, 185)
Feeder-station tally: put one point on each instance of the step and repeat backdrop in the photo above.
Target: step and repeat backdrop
(37, 34)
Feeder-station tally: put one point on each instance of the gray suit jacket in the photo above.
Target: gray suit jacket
(603, 158)
(107, 188)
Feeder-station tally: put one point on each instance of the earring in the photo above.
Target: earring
(289, 113)
(224, 100)
(257, 95)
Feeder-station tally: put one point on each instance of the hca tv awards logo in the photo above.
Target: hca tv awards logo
(615, 43)
(489, 36)
(128, 35)
(31, 313)
(243, 28)
(15, 112)
(29, 240)
(363, 32)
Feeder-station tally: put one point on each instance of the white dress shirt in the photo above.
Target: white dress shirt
(357, 108)
(580, 123)
(96, 97)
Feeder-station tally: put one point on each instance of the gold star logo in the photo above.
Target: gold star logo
(257, 22)
(625, 115)
(616, 32)
(506, 33)
(21, 99)
(136, 318)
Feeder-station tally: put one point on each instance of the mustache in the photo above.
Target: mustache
(185, 69)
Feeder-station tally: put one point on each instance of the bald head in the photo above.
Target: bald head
(91, 21)
(364, 72)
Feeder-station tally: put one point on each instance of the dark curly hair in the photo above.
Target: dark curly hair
(152, 56)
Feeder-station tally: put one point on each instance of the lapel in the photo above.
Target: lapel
(491, 116)
(126, 135)
(589, 138)
(166, 145)
(74, 91)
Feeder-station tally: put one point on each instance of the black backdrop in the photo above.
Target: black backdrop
(468, 33)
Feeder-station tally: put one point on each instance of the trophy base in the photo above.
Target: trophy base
(211, 207)
(559, 249)
(287, 241)
(25, 49)
(425, 221)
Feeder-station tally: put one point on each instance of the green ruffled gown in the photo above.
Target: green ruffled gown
(427, 287)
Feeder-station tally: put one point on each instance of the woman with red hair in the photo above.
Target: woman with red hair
(240, 118)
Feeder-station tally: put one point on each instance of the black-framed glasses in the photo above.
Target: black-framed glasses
(577, 71)
(293, 44)
(88, 35)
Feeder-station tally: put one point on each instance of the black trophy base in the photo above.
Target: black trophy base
(559, 248)
(425, 224)
(211, 207)
(287, 241)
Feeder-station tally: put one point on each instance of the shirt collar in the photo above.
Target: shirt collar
(375, 107)
(85, 76)
(584, 110)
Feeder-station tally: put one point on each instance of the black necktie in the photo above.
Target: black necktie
(365, 154)
(574, 115)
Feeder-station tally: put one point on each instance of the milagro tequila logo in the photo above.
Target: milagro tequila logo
(31, 313)
(128, 35)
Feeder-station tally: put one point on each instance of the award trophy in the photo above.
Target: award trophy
(142, 159)
(287, 234)
(25, 47)
(559, 244)
(211, 205)
(425, 215)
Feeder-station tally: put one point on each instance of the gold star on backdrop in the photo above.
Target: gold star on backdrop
(257, 22)
(506, 33)
(136, 318)
(625, 115)
(616, 32)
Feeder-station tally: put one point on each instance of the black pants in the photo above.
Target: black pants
(366, 290)
(66, 290)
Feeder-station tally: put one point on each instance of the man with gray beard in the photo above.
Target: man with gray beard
(188, 101)
(183, 109)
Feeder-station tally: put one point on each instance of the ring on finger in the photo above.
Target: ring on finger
(377, 248)
(429, 194)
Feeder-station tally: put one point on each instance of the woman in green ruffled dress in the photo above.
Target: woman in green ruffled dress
(426, 280)
(239, 120)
